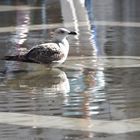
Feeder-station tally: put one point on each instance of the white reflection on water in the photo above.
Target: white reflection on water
(19, 36)
(22, 26)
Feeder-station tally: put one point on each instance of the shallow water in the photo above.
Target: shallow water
(100, 79)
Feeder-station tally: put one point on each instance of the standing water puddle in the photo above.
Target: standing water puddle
(82, 87)
(96, 88)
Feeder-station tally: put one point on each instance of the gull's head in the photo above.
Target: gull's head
(62, 33)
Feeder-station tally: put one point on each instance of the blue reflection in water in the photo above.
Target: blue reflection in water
(89, 7)
(87, 97)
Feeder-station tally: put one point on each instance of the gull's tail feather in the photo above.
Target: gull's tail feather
(12, 58)
(20, 58)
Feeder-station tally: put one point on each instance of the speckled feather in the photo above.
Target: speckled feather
(45, 53)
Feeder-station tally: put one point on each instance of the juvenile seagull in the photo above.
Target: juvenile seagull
(47, 53)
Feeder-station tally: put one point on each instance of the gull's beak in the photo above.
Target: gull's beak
(72, 33)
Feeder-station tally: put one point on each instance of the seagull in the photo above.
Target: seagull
(51, 53)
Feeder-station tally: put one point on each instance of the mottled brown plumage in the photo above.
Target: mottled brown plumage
(45, 53)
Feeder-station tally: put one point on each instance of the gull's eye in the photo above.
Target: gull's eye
(61, 32)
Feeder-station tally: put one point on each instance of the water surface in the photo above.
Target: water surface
(100, 79)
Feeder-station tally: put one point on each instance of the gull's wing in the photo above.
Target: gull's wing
(45, 53)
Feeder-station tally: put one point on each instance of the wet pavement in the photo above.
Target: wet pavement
(94, 94)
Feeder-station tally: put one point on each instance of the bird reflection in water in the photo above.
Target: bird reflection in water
(50, 80)
(43, 91)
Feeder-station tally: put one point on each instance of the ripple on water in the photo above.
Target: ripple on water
(107, 88)
(103, 61)
(82, 87)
